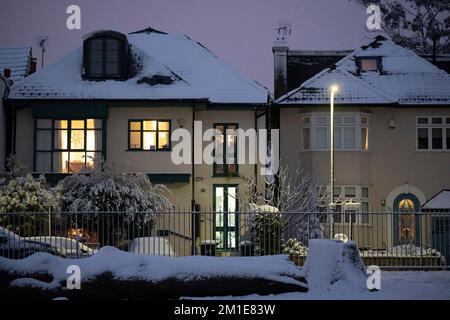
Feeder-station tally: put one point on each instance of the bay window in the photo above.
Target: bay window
(67, 145)
(433, 133)
(351, 132)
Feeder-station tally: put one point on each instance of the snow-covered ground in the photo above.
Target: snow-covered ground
(395, 285)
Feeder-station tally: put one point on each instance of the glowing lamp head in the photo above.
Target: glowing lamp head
(334, 88)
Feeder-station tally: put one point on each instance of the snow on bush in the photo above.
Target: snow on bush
(21, 192)
(292, 246)
(107, 188)
(331, 262)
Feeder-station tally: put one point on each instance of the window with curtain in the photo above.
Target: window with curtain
(351, 132)
(67, 145)
(153, 135)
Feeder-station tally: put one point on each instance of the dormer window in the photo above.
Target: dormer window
(105, 56)
(368, 64)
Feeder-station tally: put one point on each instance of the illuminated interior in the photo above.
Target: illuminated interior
(67, 146)
(407, 221)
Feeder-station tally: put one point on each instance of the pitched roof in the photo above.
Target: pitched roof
(439, 201)
(197, 74)
(406, 79)
(17, 59)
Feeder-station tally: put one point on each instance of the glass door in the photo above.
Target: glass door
(225, 222)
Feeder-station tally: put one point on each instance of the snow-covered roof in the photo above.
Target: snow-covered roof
(405, 79)
(197, 74)
(17, 59)
(439, 201)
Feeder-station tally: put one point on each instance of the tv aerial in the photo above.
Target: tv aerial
(42, 42)
(283, 29)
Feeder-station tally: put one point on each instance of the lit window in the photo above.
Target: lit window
(368, 64)
(149, 135)
(76, 144)
(364, 138)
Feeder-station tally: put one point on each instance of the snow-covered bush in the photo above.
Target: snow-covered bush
(265, 228)
(27, 194)
(107, 188)
(292, 246)
(21, 192)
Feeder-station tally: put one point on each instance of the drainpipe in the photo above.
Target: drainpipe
(256, 150)
(193, 215)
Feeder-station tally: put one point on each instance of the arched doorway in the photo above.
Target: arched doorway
(406, 222)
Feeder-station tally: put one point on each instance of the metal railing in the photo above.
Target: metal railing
(389, 240)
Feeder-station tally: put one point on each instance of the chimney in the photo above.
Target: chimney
(7, 73)
(32, 66)
(280, 51)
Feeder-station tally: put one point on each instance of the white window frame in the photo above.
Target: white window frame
(340, 125)
(444, 126)
(358, 198)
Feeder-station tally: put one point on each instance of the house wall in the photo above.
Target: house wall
(179, 226)
(391, 166)
(2, 122)
(24, 138)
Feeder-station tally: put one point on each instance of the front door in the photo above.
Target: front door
(225, 221)
(441, 236)
(406, 221)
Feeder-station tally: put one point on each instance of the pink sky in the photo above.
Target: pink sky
(241, 32)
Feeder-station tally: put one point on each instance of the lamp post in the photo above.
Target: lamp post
(333, 90)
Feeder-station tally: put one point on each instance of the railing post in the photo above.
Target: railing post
(194, 231)
(49, 222)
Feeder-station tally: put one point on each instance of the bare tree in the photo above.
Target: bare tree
(415, 24)
(301, 201)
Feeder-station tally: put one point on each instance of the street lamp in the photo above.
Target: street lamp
(333, 90)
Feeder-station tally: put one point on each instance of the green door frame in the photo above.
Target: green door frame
(395, 217)
(225, 229)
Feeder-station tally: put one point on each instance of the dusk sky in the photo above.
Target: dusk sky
(241, 32)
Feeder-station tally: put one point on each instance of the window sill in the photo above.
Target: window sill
(433, 150)
(235, 175)
(337, 150)
(144, 150)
